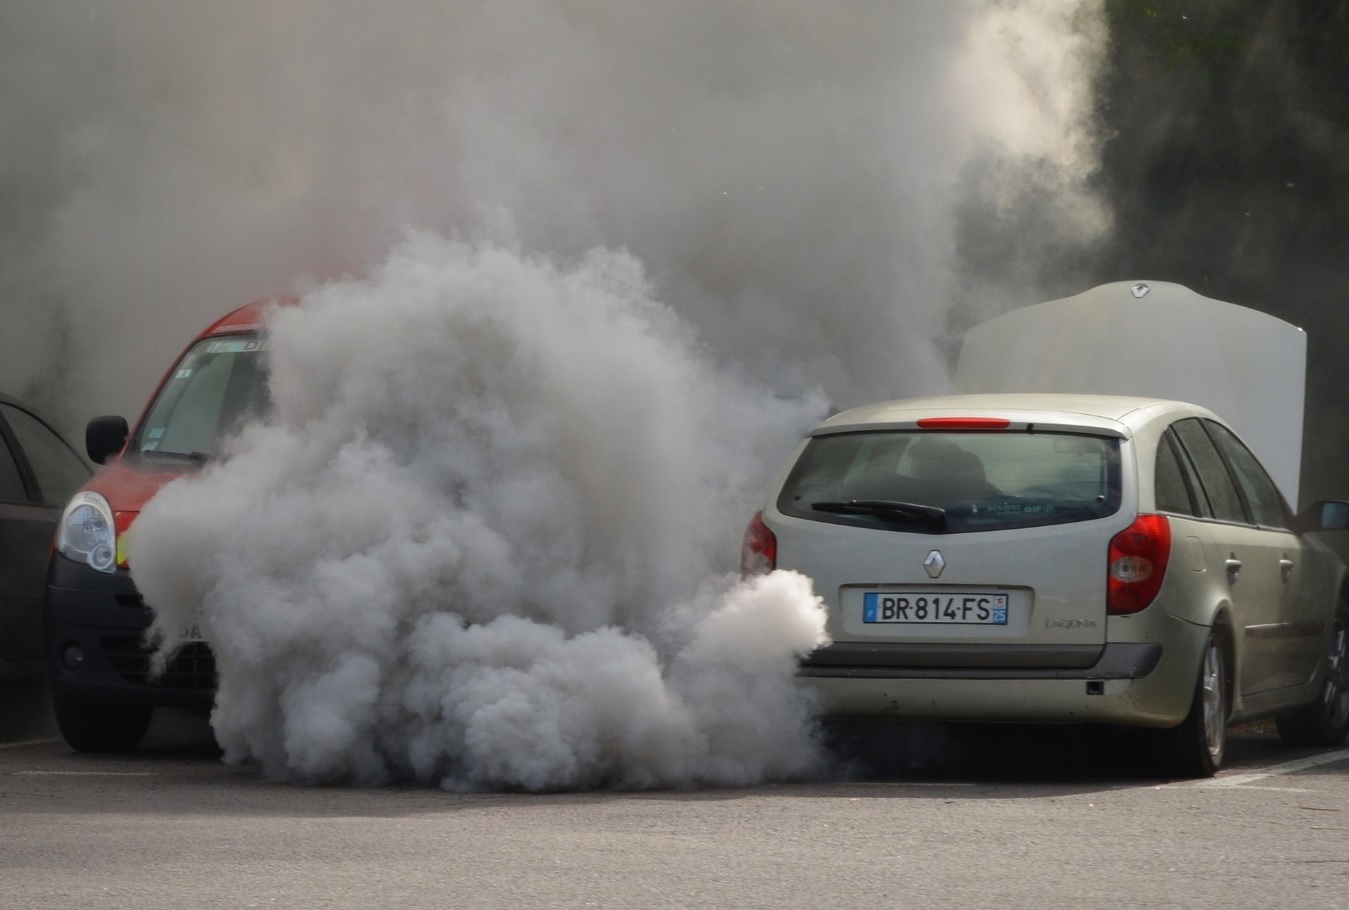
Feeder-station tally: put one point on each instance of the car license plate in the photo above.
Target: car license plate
(956, 608)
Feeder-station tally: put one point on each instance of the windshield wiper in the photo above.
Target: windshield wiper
(196, 457)
(887, 510)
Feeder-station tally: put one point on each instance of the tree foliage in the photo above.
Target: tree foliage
(1227, 168)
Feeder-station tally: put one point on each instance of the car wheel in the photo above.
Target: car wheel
(1324, 722)
(90, 727)
(1196, 747)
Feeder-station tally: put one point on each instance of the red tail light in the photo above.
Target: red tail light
(759, 549)
(1138, 557)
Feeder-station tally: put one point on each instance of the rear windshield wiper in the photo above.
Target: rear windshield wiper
(887, 510)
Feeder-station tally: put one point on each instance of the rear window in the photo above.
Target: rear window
(954, 482)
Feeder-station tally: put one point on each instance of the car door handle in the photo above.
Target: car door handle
(1233, 567)
(1286, 567)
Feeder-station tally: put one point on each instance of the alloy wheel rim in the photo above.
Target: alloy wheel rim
(1215, 730)
(1336, 694)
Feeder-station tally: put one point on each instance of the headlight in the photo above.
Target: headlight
(87, 533)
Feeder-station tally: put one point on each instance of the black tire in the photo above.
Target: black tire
(1324, 722)
(93, 727)
(1196, 748)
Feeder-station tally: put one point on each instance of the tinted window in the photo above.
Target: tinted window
(1222, 492)
(959, 481)
(218, 386)
(11, 483)
(1173, 493)
(59, 471)
(1204, 510)
(1262, 496)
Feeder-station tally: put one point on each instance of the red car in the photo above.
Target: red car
(95, 620)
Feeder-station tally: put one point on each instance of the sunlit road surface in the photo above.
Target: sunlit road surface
(1030, 821)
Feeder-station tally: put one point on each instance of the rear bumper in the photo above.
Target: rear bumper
(103, 617)
(863, 660)
(1129, 683)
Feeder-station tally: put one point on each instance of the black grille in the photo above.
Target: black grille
(193, 667)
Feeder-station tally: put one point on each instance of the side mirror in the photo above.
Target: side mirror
(105, 436)
(1326, 515)
(1334, 515)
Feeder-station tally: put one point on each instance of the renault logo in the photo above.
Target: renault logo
(1140, 290)
(934, 564)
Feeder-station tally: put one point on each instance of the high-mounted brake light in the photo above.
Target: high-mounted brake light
(964, 423)
(1138, 558)
(759, 549)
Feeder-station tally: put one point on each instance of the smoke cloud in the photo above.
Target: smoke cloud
(576, 276)
(788, 173)
(479, 541)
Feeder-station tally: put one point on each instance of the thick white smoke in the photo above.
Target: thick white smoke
(483, 539)
(787, 170)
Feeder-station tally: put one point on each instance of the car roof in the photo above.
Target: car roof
(19, 403)
(1116, 415)
(248, 318)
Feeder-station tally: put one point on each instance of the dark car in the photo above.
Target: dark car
(39, 472)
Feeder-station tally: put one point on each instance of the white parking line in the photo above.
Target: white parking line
(1301, 764)
(28, 742)
(39, 773)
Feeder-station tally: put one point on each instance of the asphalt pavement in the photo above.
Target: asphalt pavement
(943, 818)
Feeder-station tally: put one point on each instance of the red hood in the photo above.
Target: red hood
(127, 485)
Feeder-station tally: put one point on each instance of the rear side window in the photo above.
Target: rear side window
(1266, 504)
(1222, 492)
(1173, 492)
(954, 482)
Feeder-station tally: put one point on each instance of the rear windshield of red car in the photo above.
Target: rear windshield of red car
(952, 482)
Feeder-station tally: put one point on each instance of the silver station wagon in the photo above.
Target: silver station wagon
(1047, 558)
